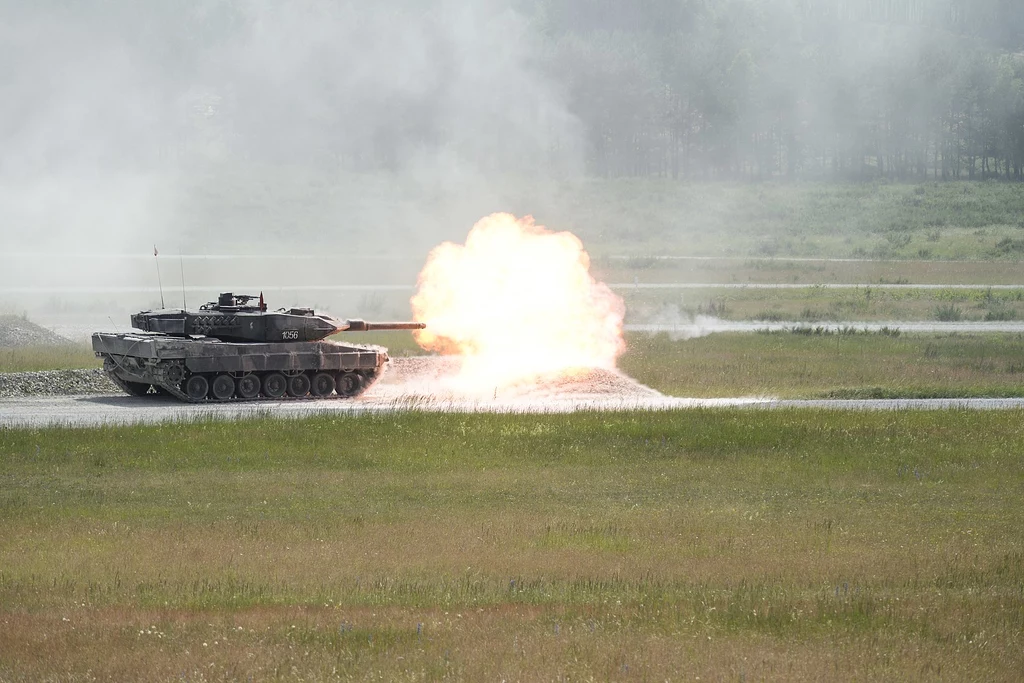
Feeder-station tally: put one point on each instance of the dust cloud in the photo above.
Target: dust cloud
(261, 128)
(345, 139)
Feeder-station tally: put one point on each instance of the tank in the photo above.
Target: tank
(234, 349)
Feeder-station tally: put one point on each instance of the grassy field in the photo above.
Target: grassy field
(741, 271)
(712, 544)
(809, 365)
(874, 220)
(287, 209)
(813, 304)
(296, 206)
(729, 545)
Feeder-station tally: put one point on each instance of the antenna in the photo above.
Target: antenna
(158, 280)
(181, 264)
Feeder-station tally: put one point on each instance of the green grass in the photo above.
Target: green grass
(813, 304)
(299, 206)
(29, 358)
(631, 546)
(811, 365)
(741, 271)
(871, 220)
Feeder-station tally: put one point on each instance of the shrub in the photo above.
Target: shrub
(1000, 314)
(948, 313)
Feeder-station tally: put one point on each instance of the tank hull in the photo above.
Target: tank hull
(204, 369)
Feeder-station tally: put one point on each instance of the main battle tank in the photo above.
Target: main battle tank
(235, 350)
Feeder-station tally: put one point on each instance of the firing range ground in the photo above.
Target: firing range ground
(418, 384)
(433, 378)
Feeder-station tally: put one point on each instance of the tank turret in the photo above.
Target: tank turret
(234, 349)
(242, 318)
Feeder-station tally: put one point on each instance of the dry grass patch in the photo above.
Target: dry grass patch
(31, 358)
(511, 642)
(783, 545)
(836, 365)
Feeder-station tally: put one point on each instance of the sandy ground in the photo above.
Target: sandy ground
(419, 384)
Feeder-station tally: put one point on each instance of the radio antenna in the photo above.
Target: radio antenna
(181, 264)
(159, 282)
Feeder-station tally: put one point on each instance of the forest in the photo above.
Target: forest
(848, 89)
(907, 90)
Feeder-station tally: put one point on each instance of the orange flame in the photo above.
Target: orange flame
(516, 301)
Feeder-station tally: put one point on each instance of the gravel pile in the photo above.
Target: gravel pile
(56, 382)
(17, 331)
(435, 378)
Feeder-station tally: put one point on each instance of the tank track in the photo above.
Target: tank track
(139, 389)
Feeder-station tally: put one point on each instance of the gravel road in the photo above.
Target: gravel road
(419, 384)
(410, 383)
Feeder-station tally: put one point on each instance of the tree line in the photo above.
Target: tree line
(688, 89)
(851, 89)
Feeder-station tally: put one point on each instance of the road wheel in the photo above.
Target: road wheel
(196, 387)
(274, 385)
(174, 373)
(348, 384)
(223, 387)
(298, 386)
(323, 384)
(248, 386)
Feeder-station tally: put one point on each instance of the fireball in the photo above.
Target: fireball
(516, 302)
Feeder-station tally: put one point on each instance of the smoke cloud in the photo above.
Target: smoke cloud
(207, 123)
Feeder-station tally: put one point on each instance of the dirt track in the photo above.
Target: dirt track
(419, 384)
(410, 383)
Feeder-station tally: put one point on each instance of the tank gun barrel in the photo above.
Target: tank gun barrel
(363, 326)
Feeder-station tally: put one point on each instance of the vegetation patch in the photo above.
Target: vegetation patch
(949, 313)
(621, 545)
(47, 357)
(816, 303)
(815, 361)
